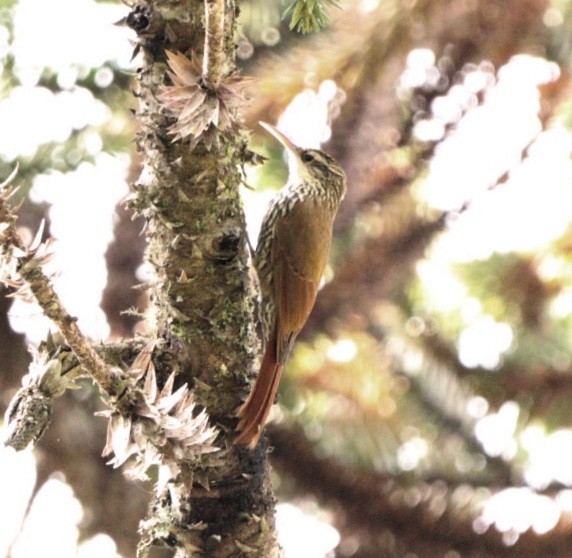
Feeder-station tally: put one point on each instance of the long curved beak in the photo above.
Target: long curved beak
(290, 147)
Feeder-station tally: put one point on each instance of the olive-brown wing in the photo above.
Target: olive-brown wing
(300, 253)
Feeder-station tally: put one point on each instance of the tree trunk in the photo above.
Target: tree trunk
(202, 299)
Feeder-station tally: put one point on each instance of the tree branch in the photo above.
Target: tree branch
(23, 265)
(221, 504)
(214, 55)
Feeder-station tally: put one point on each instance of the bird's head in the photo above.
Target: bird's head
(310, 165)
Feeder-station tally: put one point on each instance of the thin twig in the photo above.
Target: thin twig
(214, 57)
(53, 308)
(28, 268)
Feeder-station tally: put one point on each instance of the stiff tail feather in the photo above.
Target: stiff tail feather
(256, 408)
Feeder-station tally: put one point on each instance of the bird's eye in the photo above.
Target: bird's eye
(307, 157)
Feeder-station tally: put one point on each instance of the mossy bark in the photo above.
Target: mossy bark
(202, 298)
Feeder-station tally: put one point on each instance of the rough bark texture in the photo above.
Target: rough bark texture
(202, 298)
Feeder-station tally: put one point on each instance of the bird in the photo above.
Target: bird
(290, 258)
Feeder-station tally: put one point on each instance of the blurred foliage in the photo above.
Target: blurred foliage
(417, 370)
(449, 363)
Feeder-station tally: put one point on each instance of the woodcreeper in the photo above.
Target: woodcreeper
(290, 258)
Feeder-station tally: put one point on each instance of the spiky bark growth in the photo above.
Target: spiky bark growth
(189, 193)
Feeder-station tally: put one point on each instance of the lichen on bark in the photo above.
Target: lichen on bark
(202, 297)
